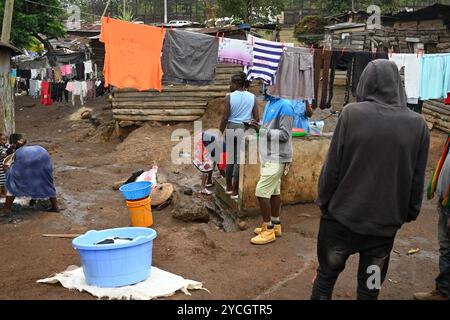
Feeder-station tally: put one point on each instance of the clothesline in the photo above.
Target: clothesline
(292, 72)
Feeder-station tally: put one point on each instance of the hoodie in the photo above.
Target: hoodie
(275, 142)
(373, 178)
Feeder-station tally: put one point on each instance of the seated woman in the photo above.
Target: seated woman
(29, 173)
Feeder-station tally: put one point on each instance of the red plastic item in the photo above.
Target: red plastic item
(447, 101)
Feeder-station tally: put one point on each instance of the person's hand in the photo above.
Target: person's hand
(255, 125)
(287, 167)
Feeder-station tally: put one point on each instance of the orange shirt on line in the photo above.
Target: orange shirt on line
(132, 54)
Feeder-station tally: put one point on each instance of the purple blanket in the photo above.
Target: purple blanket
(31, 174)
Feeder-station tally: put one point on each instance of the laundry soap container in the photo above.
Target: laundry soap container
(116, 257)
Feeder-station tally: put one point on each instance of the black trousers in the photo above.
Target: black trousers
(335, 245)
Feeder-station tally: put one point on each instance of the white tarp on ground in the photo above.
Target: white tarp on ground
(160, 284)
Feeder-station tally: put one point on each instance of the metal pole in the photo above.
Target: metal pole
(165, 11)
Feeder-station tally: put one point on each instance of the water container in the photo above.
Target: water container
(116, 265)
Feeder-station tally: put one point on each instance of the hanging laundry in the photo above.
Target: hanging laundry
(235, 51)
(14, 72)
(77, 88)
(322, 61)
(434, 76)
(190, 57)
(66, 92)
(54, 92)
(362, 59)
(46, 98)
(57, 74)
(90, 89)
(34, 88)
(34, 73)
(133, 54)
(341, 61)
(66, 70)
(49, 74)
(295, 76)
(79, 67)
(88, 68)
(24, 73)
(411, 64)
(266, 58)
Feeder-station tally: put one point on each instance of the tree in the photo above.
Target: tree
(250, 10)
(310, 30)
(329, 7)
(32, 21)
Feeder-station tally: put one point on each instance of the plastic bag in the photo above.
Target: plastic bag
(149, 176)
(316, 128)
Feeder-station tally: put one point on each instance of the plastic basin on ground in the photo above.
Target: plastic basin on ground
(116, 265)
(136, 190)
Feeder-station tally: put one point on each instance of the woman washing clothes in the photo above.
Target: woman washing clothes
(29, 173)
(240, 108)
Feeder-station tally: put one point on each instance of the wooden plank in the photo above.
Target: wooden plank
(181, 88)
(169, 94)
(155, 118)
(163, 98)
(160, 104)
(160, 112)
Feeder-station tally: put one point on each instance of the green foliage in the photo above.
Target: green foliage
(30, 19)
(330, 7)
(310, 29)
(125, 12)
(262, 9)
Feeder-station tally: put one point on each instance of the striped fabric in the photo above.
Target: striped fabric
(266, 58)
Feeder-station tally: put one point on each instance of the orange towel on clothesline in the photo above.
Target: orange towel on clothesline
(132, 54)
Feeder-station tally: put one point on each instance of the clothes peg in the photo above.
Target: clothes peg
(390, 53)
(342, 52)
(223, 36)
(312, 48)
(171, 29)
(217, 35)
(323, 50)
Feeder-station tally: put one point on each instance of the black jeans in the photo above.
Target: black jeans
(335, 245)
(443, 280)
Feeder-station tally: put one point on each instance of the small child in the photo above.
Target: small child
(205, 161)
(4, 146)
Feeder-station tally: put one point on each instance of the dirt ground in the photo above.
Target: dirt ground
(87, 163)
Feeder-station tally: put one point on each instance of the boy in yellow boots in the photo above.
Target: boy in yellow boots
(275, 146)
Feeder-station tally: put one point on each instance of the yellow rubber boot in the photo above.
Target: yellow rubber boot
(276, 227)
(266, 236)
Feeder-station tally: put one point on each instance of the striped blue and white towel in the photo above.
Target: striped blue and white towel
(266, 58)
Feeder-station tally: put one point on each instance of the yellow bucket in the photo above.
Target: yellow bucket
(141, 212)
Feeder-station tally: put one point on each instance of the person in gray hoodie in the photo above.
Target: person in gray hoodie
(372, 181)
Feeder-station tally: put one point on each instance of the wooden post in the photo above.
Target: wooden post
(7, 120)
